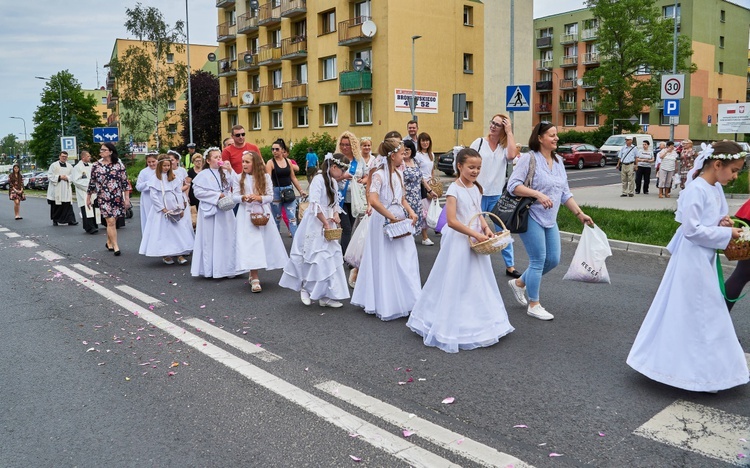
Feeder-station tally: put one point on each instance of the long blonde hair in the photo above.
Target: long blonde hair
(259, 175)
(354, 141)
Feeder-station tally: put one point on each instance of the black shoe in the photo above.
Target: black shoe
(108, 247)
(54, 223)
(95, 231)
(637, 193)
(117, 253)
(623, 195)
(513, 274)
(645, 193)
(74, 223)
(631, 195)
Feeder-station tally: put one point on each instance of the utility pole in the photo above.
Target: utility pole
(674, 65)
(189, 91)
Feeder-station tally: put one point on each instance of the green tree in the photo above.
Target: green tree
(9, 146)
(633, 38)
(79, 110)
(206, 117)
(146, 81)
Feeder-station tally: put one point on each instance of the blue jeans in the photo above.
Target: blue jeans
(489, 202)
(291, 210)
(543, 247)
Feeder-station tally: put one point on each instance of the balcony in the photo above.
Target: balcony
(224, 3)
(543, 64)
(269, 13)
(588, 105)
(355, 82)
(293, 47)
(350, 31)
(544, 42)
(110, 80)
(569, 61)
(293, 8)
(588, 83)
(253, 65)
(569, 38)
(293, 91)
(568, 83)
(112, 101)
(256, 99)
(227, 102)
(589, 34)
(247, 23)
(269, 54)
(226, 67)
(270, 95)
(543, 86)
(226, 32)
(113, 119)
(568, 106)
(591, 58)
(544, 107)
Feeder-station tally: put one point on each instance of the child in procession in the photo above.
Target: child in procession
(316, 265)
(460, 306)
(141, 184)
(258, 247)
(687, 339)
(165, 236)
(388, 282)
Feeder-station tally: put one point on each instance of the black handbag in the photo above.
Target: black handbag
(286, 195)
(513, 210)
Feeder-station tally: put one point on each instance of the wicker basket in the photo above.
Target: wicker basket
(493, 244)
(738, 249)
(332, 234)
(259, 219)
(436, 186)
(302, 206)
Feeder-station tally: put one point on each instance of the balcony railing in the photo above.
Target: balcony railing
(227, 101)
(568, 106)
(544, 107)
(543, 64)
(269, 54)
(355, 82)
(748, 84)
(568, 38)
(292, 91)
(270, 95)
(224, 3)
(293, 47)
(110, 80)
(112, 101)
(226, 32)
(269, 13)
(247, 22)
(568, 83)
(588, 105)
(544, 42)
(589, 34)
(569, 61)
(292, 8)
(591, 58)
(113, 119)
(226, 67)
(243, 65)
(350, 31)
(255, 100)
(543, 86)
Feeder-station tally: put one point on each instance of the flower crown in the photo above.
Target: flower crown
(213, 148)
(708, 153)
(396, 149)
(339, 163)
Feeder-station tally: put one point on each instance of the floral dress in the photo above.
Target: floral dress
(687, 159)
(109, 182)
(412, 183)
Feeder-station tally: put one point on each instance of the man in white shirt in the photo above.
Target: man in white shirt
(412, 128)
(625, 162)
(60, 193)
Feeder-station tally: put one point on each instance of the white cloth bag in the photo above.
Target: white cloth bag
(588, 263)
(433, 213)
(356, 247)
(359, 199)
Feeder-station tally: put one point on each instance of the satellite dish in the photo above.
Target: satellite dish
(368, 28)
(579, 81)
(247, 97)
(211, 57)
(254, 4)
(248, 59)
(358, 64)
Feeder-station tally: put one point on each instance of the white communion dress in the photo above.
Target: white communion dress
(162, 237)
(142, 186)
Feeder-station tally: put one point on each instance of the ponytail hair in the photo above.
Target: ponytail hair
(386, 149)
(338, 160)
(461, 158)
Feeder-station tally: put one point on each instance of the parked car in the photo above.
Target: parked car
(33, 179)
(445, 163)
(26, 178)
(581, 154)
(40, 182)
(4, 182)
(612, 146)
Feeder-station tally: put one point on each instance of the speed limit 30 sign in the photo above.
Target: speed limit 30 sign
(672, 86)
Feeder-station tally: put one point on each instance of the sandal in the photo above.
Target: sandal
(181, 260)
(255, 286)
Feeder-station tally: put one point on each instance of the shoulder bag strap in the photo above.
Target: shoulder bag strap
(221, 187)
(531, 171)
(481, 141)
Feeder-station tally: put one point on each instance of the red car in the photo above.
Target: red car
(581, 154)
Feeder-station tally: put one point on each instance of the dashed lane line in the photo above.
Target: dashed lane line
(4, 229)
(232, 340)
(456, 443)
(394, 445)
(12, 235)
(27, 243)
(50, 255)
(85, 269)
(136, 294)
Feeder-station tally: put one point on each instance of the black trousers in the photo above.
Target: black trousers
(644, 174)
(347, 222)
(62, 213)
(89, 224)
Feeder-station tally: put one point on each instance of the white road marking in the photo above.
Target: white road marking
(232, 340)
(369, 433)
(50, 255)
(12, 235)
(143, 297)
(467, 448)
(27, 243)
(4, 229)
(747, 357)
(700, 429)
(85, 269)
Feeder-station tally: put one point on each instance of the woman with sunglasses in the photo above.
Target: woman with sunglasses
(283, 179)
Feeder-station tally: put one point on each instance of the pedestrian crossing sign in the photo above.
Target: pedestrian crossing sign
(517, 98)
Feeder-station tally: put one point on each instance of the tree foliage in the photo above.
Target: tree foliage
(320, 144)
(633, 37)
(596, 137)
(9, 145)
(206, 117)
(79, 115)
(146, 82)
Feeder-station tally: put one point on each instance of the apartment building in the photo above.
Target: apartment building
(101, 97)
(566, 46)
(290, 68)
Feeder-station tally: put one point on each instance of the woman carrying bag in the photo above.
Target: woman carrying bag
(284, 180)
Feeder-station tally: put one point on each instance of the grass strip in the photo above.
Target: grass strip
(642, 226)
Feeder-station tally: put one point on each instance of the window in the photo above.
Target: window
(645, 118)
(664, 119)
(570, 74)
(277, 119)
(233, 120)
(233, 52)
(721, 42)
(330, 114)
(300, 28)
(254, 44)
(300, 73)
(469, 112)
(170, 58)
(233, 88)
(362, 9)
(569, 96)
(328, 68)
(363, 112)
(468, 15)
(276, 78)
(171, 105)
(104, 115)
(170, 80)
(274, 37)
(255, 120)
(172, 128)
(571, 29)
(255, 83)
(643, 70)
(569, 120)
(592, 120)
(276, 3)
(723, 16)
(669, 11)
(571, 51)
(300, 114)
(468, 63)
(328, 22)
(719, 94)
(546, 32)
(104, 99)
(365, 55)
(721, 68)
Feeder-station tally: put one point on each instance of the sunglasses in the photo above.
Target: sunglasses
(239, 134)
(275, 149)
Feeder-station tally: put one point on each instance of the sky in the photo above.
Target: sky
(78, 36)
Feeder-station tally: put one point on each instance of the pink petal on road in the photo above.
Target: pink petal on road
(170, 373)
(460, 441)
(407, 433)
(151, 307)
(402, 383)
(356, 459)
(448, 401)
(601, 434)
(409, 380)
(85, 342)
(523, 426)
(175, 300)
(203, 306)
(553, 454)
(353, 436)
(741, 455)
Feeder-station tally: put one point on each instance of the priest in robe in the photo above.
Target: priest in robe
(80, 179)
(60, 193)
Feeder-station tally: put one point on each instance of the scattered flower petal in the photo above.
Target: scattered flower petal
(412, 415)
(174, 364)
(553, 454)
(151, 307)
(353, 436)
(307, 369)
(407, 433)
(601, 434)
(90, 349)
(356, 459)
(203, 306)
(422, 379)
(127, 378)
(170, 373)
(460, 441)
(743, 440)
(524, 426)
(402, 383)
(741, 455)
(448, 401)
(85, 342)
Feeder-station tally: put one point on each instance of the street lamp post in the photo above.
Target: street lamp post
(25, 137)
(189, 91)
(413, 102)
(59, 84)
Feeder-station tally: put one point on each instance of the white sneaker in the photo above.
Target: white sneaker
(305, 297)
(539, 312)
(518, 292)
(427, 242)
(330, 303)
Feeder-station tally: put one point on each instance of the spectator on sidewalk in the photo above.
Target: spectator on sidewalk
(311, 165)
(625, 161)
(643, 172)
(667, 169)
(233, 153)
(15, 190)
(687, 159)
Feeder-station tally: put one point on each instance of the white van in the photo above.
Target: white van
(612, 146)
